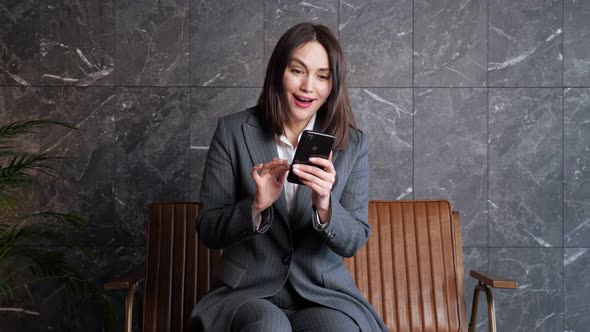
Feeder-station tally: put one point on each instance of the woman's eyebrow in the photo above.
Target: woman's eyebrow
(305, 66)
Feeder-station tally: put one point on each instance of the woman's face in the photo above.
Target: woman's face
(307, 82)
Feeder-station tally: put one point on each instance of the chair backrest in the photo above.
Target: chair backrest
(411, 269)
(178, 267)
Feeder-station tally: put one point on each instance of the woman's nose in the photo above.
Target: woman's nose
(306, 84)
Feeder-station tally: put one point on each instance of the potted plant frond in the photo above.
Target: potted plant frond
(22, 263)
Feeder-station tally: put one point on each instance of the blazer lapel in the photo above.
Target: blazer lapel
(262, 149)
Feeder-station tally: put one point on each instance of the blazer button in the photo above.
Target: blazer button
(286, 259)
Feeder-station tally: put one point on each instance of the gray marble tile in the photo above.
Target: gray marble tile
(87, 185)
(19, 42)
(227, 43)
(525, 167)
(385, 116)
(576, 156)
(576, 43)
(152, 43)
(450, 43)
(140, 145)
(21, 104)
(152, 154)
(58, 310)
(525, 43)
(450, 154)
(377, 41)
(77, 42)
(207, 106)
(279, 16)
(537, 303)
(475, 258)
(100, 265)
(576, 263)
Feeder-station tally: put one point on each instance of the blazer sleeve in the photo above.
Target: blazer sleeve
(349, 228)
(224, 219)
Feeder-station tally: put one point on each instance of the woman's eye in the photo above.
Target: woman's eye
(324, 77)
(296, 71)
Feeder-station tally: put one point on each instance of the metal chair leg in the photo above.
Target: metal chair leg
(129, 307)
(491, 308)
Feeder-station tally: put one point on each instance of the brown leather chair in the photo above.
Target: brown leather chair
(178, 270)
(411, 269)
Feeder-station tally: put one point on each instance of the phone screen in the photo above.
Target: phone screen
(311, 144)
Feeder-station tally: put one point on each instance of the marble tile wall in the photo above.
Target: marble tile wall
(483, 102)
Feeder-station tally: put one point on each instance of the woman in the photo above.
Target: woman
(282, 267)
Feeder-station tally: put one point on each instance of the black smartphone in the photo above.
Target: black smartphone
(311, 144)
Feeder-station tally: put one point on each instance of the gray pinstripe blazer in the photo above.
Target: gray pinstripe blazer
(256, 265)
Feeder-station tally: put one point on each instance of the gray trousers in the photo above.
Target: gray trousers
(288, 311)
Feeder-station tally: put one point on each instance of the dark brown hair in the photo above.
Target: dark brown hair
(335, 115)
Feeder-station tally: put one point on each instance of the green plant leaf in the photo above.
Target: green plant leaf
(22, 262)
(5, 290)
(20, 128)
(21, 166)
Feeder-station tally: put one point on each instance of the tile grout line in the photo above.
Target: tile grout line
(263, 40)
(488, 130)
(258, 87)
(190, 31)
(413, 103)
(563, 162)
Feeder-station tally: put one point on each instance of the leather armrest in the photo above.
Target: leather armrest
(125, 282)
(493, 280)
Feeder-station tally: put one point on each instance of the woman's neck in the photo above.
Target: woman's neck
(292, 133)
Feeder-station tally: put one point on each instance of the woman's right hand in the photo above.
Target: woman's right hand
(269, 179)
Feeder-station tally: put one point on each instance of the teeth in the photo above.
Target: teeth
(302, 99)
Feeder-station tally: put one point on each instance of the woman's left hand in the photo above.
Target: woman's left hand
(320, 180)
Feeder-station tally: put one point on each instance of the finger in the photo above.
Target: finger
(333, 170)
(317, 188)
(316, 172)
(282, 176)
(308, 172)
(326, 164)
(275, 161)
(268, 167)
(255, 169)
(276, 169)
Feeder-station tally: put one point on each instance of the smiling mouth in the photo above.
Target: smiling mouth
(302, 101)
